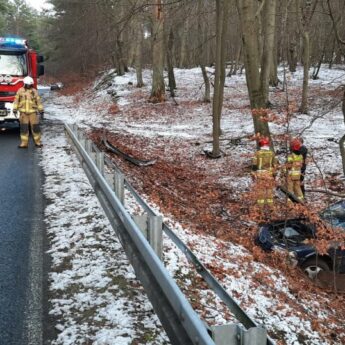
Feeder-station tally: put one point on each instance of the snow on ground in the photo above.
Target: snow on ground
(95, 298)
(262, 291)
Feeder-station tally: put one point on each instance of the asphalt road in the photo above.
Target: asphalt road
(21, 243)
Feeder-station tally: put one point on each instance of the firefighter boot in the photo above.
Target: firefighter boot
(24, 136)
(36, 130)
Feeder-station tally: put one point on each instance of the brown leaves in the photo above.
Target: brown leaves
(113, 109)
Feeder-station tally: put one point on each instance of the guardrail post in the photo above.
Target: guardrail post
(83, 142)
(79, 134)
(155, 234)
(110, 179)
(141, 221)
(74, 128)
(236, 334)
(226, 334)
(88, 146)
(255, 336)
(100, 162)
(119, 186)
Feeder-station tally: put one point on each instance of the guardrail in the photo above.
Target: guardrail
(180, 321)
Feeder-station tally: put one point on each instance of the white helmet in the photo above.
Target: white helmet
(28, 81)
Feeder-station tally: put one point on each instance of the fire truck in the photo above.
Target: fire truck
(17, 60)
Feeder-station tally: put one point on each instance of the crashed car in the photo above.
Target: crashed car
(292, 235)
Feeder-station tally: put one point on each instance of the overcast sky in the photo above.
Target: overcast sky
(38, 4)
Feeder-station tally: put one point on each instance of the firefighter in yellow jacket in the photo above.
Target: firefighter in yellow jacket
(28, 103)
(295, 162)
(264, 164)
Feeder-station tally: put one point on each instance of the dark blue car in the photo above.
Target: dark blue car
(291, 235)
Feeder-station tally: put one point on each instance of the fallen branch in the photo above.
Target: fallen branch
(325, 192)
(223, 139)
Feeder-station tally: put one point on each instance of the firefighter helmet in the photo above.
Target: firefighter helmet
(28, 81)
(264, 142)
(295, 144)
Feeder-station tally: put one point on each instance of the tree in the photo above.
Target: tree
(158, 86)
(267, 61)
(249, 12)
(304, 15)
(170, 59)
(201, 52)
(138, 56)
(222, 7)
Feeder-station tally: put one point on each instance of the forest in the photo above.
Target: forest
(196, 86)
(81, 38)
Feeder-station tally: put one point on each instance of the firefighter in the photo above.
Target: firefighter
(264, 164)
(294, 169)
(28, 103)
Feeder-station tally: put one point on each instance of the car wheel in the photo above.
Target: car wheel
(314, 266)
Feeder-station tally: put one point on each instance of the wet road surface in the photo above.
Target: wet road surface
(21, 232)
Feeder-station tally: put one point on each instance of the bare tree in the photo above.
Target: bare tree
(269, 27)
(171, 75)
(158, 86)
(222, 7)
(305, 13)
(201, 52)
(248, 11)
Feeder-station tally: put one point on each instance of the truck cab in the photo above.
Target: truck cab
(17, 60)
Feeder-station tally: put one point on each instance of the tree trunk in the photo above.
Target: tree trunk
(139, 55)
(274, 66)
(121, 67)
(201, 55)
(238, 59)
(221, 22)
(331, 56)
(292, 56)
(207, 94)
(292, 19)
(342, 140)
(306, 62)
(171, 75)
(183, 52)
(158, 86)
(269, 24)
(247, 11)
(225, 19)
(304, 20)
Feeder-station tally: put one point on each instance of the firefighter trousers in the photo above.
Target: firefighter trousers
(294, 187)
(264, 189)
(26, 120)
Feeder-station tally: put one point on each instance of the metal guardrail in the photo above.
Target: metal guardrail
(137, 250)
(180, 321)
(210, 280)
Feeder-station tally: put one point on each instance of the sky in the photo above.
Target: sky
(37, 4)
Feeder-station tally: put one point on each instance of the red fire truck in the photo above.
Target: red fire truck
(17, 60)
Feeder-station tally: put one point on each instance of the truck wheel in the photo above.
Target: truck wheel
(312, 267)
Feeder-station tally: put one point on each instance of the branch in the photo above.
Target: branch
(260, 8)
(325, 192)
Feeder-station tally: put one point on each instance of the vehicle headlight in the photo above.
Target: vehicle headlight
(9, 106)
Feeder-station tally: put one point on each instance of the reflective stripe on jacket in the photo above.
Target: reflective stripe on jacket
(264, 161)
(27, 101)
(295, 163)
